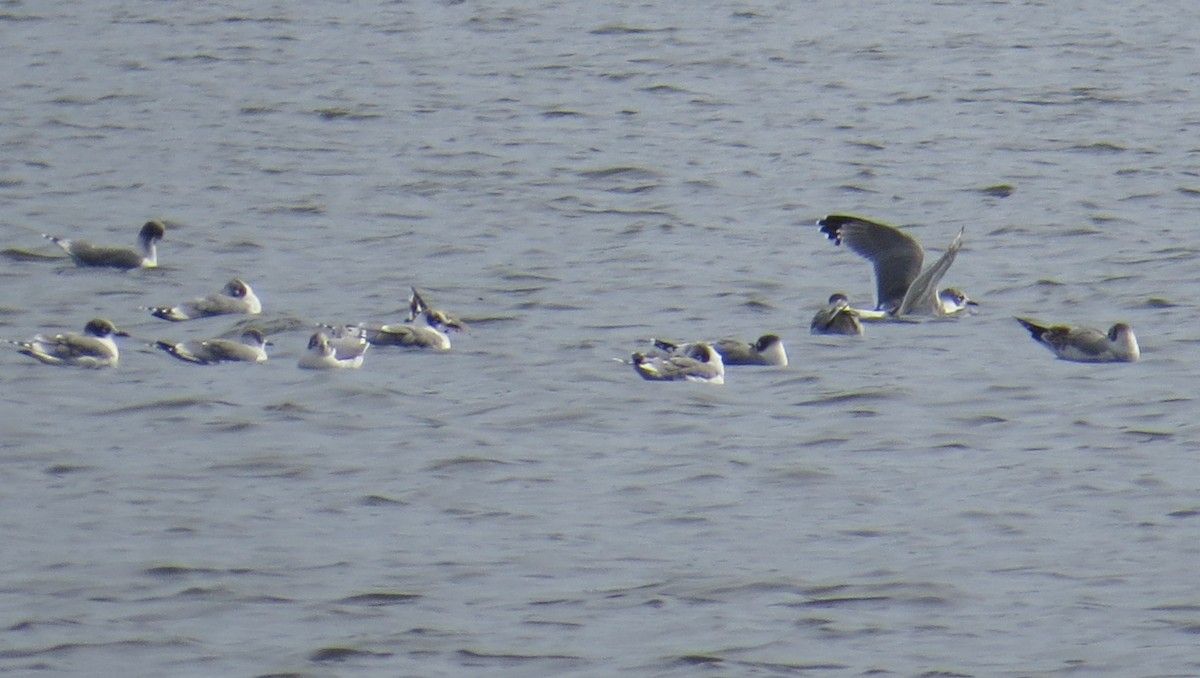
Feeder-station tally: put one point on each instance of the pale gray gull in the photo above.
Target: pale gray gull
(322, 355)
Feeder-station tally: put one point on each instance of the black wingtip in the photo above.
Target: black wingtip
(1034, 329)
(831, 225)
(664, 345)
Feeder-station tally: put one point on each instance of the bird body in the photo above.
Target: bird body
(251, 348)
(95, 347)
(237, 297)
(766, 350)
(321, 354)
(837, 317)
(1086, 344)
(86, 254)
(701, 363)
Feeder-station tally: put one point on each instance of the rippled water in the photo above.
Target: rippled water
(939, 498)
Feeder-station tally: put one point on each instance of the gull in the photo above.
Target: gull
(767, 350)
(95, 347)
(424, 327)
(902, 288)
(251, 349)
(1086, 344)
(702, 363)
(236, 297)
(836, 318)
(86, 254)
(348, 340)
(426, 331)
(322, 355)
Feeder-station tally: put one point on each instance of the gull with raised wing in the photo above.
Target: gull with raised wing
(417, 307)
(86, 254)
(766, 350)
(1086, 344)
(235, 298)
(427, 330)
(700, 363)
(836, 318)
(251, 349)
(902, 287)
(95, 347)
(321, 354)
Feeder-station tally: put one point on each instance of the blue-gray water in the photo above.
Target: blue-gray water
(940, 498)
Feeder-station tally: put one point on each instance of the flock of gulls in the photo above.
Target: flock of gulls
(905, 287)
(338, 346)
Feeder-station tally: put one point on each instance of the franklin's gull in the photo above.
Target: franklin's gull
(836, 318)
(767, 350)
(427, 330)
(96, 347)
(1086, 344)
(87, 254)
(701, 363)
(902, 288)
(236, 297)
(251, 349)
(347, 340)
(322, 355)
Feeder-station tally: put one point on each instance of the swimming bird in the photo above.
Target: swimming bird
(236, 297)
(701, 363)
(836, 318)
(86, 254)
(95, 347)
(902, 288)
(1086, 344)
(427, 330)
(251, 349)
(347, 340)
(767, 350)
(322, 355)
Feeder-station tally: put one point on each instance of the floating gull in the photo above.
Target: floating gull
(86, 254)
(1086, 344)
(252, 349)
(836, 318)
(701, 363)
(348, 341)
(427, 330)
(236, 297)
(767, 350)
(902, 288)
(96, 347)
(424, 327)
(322, 355)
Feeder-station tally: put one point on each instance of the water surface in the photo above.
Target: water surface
(939, 498)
